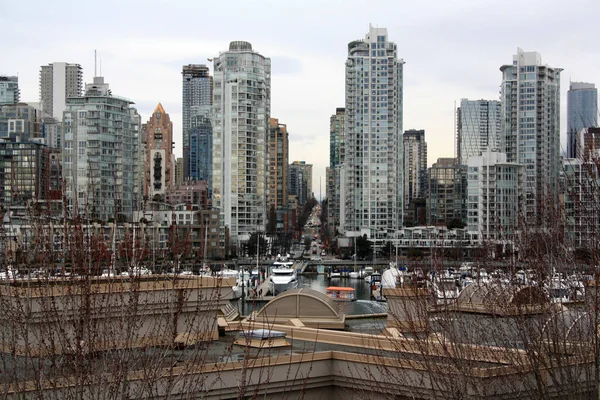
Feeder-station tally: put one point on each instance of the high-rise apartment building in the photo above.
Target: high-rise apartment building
(300, 181)
(197, 87)
(58, 82)
(447, 188)
(478, 127)
(336, 159)
(9, 90)
(157, 135)
(200, 152)
(415, 166)
(241, 113)
(100, 147)
(582, 112)
(278, 149)
(530, 136)
(373, 136)
(494, 196)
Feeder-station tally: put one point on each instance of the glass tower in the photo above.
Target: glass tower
(582, 112)
(478, 125)
(373, 138)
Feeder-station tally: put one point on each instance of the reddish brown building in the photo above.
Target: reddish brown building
(159, 170)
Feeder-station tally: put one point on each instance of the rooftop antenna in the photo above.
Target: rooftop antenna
(100, 66)
(95, 61)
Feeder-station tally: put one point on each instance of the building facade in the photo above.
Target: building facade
(157, 137)
(9, 90)
(241, 113)
(29, 171)
(20, 122)
(478, 125)
(415, 166)
(300, 181)
(373, 166)
(179, 171)
(100, 147)
(582, 112)
(197, 87)
(530, 95)
(277, 178)
(447, 188)
(58, 82)
(495, 196)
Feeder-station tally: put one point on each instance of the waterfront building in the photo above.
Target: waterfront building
(9, 90)
(58, 82)
(373, 166)
(20, 122)
(588, 144)
(478, 125)
(447, 188)
(582, 112)
(277, 178)
(241, 112)
(201, 140)
(100, 148)
(197, 86)
(494, 196)
(195, 193)
(51, 131)
(300, 181)
(157, 135)
(415, 166)
(29, 171)
(530, 95)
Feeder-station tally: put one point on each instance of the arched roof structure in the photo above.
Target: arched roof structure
(311, 307)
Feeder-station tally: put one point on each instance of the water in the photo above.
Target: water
(363, 305)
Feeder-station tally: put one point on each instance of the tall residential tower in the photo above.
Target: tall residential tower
(197, 91)
(415, 166)
(241, 113)
(478, 127)
(530, 135)
(9, 90)
(58, 82)
(373, 138)
(159, 174)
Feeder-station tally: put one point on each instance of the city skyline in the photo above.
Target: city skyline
(445, 63)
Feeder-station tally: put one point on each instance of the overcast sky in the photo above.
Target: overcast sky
(452, 49)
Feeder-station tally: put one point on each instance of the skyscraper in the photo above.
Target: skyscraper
(197, 91)
(58, 82)
(373, 138)
(333, 172)
(530, 136)
(9, 90)
(201, 139)
(159, 174)
(415, 165)
(300, 181)
(241, 110)
(278, 149)
(582, 112)
(100, 153)
(478, 127)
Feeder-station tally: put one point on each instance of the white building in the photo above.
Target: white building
(495, 199)
(241, 112)
(59, 81)
(530, 135)
(100, 147)
(478, 127)
(373, 136)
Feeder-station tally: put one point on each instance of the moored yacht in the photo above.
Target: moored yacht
(283, 277)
